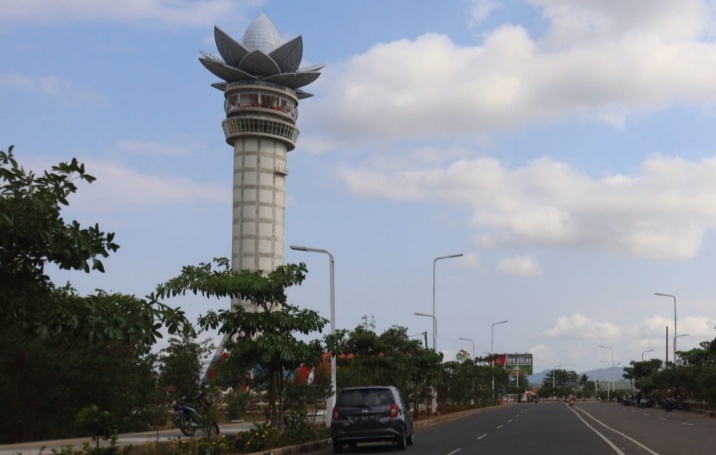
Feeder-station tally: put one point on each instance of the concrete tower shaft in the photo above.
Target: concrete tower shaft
(260, 125)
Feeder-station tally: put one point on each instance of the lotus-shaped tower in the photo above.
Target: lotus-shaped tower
(262, 82)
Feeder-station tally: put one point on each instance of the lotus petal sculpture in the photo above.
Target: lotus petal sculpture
(262, 55)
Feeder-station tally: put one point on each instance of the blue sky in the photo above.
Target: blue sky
(564, 147)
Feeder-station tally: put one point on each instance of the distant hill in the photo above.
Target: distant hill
(603, 376)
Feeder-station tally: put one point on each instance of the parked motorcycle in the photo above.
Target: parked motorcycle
(670, 404)
(190, 415)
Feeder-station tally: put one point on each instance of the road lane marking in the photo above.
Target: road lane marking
(610, 443)
(687, 423)
(509, 421)
(614, 430)
(454, 451)
(498, 427)
(661, 418)
(480, 437)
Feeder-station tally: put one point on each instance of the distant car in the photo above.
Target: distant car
(371, 414)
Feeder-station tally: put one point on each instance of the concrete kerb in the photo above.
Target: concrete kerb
(424, 423)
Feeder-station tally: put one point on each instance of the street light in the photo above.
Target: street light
(332, 400)
(644, 352)
(492, 341)
(426, 315)
(435, 324)
(473, 346)
(604, 361)
(473, 357)
(611, 373)
(683, 335)
(492, 348)
(673, 297)
(434, 404)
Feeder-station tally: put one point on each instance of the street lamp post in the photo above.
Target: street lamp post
(492, 349)
(492, 338)
(427, 315)
(435, 324)
(683, 335)
(673, 297)
(332, 401)
(434, 403)
(604, 361)
(644, 352)
(611, 373)
(473, 346)
(554, 394)
(473, 358)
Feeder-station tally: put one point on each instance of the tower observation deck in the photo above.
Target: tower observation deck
(261, 82)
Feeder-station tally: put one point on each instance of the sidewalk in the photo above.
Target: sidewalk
(133, 439)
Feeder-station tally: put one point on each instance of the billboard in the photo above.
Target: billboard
(517, 363)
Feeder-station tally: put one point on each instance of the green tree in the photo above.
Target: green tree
(263, 342)
(97, 423)
(644, 375)
(51, 335)
(181, 364)
(389, 358)
(559, 383)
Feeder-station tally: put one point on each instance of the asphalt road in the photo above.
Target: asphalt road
(553, 428)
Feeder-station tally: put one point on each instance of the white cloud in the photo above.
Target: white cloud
(519, 266)
(432, 88)
(175, 12)
(56, 87)
(577, 20)
(118, 186)
(480, 11)
(662, 211)
(578, 326)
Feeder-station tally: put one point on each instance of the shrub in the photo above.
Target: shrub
(97, 423)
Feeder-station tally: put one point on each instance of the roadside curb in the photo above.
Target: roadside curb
(301, 448)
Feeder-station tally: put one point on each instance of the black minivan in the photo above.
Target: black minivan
(371, 414)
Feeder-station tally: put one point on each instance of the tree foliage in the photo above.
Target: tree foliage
(180, 365)
(692, 376)
(50, 336)
(263, 342)
(560, 383)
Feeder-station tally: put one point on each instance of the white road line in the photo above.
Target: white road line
(610, 443)
(480, 437)
(498, 427)
(615, 431)
(661, 418)
(645, 414)
(687, 423)
(509, 421)
(454, 451)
